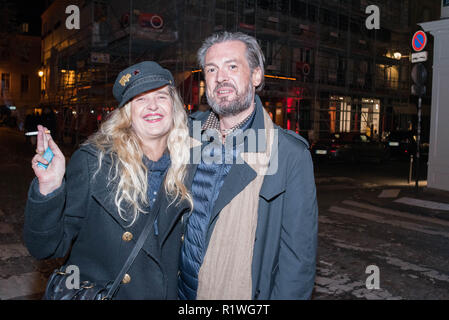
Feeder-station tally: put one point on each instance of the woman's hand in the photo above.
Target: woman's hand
(50, 179)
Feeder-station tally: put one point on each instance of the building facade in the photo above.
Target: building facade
(20, 61)
(19, 66)
(326, 71)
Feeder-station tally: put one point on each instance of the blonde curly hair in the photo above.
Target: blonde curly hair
(117, 138)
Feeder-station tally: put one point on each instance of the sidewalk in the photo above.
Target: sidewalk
(426, 202)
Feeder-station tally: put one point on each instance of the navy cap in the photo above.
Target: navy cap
(139, 78)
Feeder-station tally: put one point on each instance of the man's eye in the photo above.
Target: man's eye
(210, 70)
(162, 97)
(232, 66)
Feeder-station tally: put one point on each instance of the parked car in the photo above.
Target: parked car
(402, 144)
(350, 147)
(363, 148)
(332, 148)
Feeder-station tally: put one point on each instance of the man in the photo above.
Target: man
(253, 229)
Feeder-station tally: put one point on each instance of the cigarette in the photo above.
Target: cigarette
(34, 133)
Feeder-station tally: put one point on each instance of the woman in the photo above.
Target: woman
(131, 170)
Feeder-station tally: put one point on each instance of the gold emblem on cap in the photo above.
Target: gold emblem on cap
(125, 79)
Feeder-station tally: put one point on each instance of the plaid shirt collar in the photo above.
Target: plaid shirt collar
(213, 122)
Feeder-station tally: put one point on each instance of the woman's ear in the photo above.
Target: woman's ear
(257, 77)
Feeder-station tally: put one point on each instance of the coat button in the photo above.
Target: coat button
(127, 236)
(126, 279)
(182, 238)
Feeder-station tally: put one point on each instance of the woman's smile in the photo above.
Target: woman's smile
(153, 117)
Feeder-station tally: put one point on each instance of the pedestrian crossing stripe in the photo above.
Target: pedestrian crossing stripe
(397, 213)
(387, 220)
(424, 203)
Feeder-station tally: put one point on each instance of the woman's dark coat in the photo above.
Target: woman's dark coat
(82, 213)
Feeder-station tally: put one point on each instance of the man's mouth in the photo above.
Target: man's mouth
(223, 91)
(153, 117)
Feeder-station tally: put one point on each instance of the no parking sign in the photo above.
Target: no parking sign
(419, 41)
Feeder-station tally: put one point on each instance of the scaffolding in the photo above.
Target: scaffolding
(82, 65)
(325, 72)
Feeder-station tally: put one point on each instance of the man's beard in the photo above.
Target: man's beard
(233, 107)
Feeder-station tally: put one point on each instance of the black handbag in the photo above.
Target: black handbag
(99, 290)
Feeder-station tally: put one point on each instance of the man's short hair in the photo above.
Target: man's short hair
(254, 54)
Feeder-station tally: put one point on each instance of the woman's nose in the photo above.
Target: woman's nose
(151, 104)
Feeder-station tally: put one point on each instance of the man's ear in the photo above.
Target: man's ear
(257, 77)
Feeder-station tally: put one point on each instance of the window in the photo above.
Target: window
(24, 83)
(5, 83)
(24, 27)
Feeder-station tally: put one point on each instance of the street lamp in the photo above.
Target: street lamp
(40, 71)
(398, 56)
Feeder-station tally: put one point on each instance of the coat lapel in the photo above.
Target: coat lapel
(241, 174)
(272, 186)
(104, 195)
(236, 180)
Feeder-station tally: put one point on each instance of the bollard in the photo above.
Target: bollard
(410, 170)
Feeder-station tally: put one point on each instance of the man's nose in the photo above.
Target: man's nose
(222, 75)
